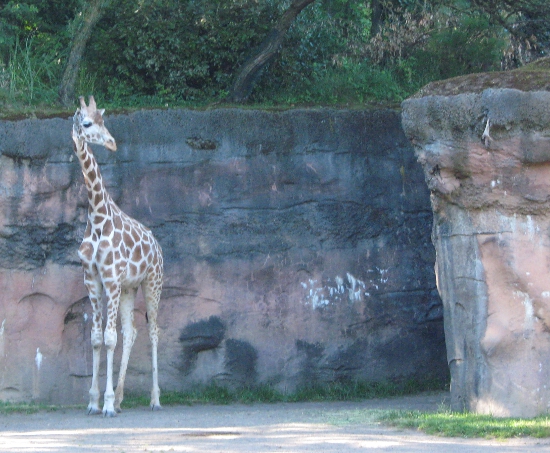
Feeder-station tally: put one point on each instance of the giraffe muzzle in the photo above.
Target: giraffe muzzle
(110, 144)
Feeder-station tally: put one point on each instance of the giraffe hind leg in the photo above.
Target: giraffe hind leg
(129, 333)
(151, 292)
(113, 292)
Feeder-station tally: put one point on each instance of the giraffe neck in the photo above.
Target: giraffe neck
(98, 197)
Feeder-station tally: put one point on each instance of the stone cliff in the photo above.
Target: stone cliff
(484, 143)
(296, 245)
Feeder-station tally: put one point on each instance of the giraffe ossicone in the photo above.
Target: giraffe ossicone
(118, 255)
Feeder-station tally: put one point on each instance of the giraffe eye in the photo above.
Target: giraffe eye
(87, 123)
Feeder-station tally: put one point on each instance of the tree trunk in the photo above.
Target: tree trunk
(244, 82)
(93, 9)
(376, 17)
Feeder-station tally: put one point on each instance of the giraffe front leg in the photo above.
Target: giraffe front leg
(93, 405)
(129, 333)
(94, 288)
(113, 296)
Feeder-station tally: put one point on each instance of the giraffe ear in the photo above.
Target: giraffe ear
(101, 111)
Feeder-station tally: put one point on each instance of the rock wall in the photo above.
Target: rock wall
(491, 201)
(296, 247)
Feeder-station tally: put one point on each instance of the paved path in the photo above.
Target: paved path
(258, 428)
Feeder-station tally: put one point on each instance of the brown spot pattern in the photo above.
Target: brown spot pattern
(128, 241)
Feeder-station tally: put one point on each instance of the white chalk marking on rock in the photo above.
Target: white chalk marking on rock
(339, 284)
(323, 295)
(529, 320)
(355, 289)
(38, 358)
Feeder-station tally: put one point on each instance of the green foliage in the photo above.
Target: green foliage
(175, 51)
(346, 392)
(344, 84)
(16, 21)
(31, 73)
(472, 45)
(178, 52)
(41, 20)
(32, 46)
(464, 424)
(187, 53)
(351, 391)
(323, 46)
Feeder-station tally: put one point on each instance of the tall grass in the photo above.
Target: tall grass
(31, 74)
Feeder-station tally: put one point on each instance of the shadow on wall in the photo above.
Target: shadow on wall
(236, 359)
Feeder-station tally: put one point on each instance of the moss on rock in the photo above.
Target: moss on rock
(532, 77)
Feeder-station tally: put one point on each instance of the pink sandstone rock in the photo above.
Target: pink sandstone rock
(491, 203)
(296, 250)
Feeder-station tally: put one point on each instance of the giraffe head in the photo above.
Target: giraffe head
(88, 125)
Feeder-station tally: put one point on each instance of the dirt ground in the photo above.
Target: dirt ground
(286, 427)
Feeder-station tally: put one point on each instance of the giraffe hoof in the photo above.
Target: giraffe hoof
(109, 413)
(118, 410)
(93, 411)
(156, 407)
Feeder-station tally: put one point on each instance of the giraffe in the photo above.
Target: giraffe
(118, 255)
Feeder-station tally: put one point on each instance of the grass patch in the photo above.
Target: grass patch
(442, 423)
(211, 394)
(217, 394)
(363, 390)
(468, 425)
(350, 391)
(25, 408)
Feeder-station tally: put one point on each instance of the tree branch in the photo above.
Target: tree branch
(245, 79)
(93, 11)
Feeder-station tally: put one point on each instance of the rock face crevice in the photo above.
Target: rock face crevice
(491, 198)
(297, 250)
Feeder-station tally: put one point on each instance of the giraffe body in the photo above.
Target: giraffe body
(118, 255)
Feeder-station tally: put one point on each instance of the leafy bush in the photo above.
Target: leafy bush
(422, 46)
(472, 45)
(33, 42)
(347, 83)
(190, 51)
(175, 51)
(154, 52)
(322, 46)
